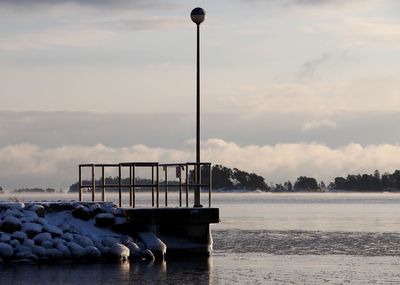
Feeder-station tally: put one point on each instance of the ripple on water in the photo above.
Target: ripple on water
(307, 242)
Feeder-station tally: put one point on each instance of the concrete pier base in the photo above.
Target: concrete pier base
(184, 231)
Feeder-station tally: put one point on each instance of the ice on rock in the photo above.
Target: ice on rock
(53, 230)
(109, 241)
(31, 229)
(92, 252)
(67, 237)
(6, 250)
(119, 251)
(76, 250)
(40, 238)
(18, 235)
(11, 224)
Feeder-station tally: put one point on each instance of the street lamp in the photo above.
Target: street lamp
(197, 16)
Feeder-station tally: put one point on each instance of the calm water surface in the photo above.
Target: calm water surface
(264, 238)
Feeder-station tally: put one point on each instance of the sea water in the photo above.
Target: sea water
(263, 238)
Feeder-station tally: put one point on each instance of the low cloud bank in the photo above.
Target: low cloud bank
(27, 165)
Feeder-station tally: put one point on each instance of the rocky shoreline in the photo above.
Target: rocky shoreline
(43, 232)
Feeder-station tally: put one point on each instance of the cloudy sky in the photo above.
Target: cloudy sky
(289, 87)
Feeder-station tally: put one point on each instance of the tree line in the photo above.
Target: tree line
(225, 178)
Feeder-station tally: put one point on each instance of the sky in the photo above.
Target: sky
(289, 87)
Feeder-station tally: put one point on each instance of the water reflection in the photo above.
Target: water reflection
(196, 271)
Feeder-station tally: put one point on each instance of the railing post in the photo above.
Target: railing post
(166, 185)
(80, 183)
(210, 186)
(180, 185)
(187, 185)
(133, 187)
(103, 181)
(152, 186)
(158, 185)
(130, 185)
(119, 185)
(93, 183)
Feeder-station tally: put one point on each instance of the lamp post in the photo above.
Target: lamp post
(197, 16)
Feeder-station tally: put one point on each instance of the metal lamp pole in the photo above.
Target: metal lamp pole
(197, 16)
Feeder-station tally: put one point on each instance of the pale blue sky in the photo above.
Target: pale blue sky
(304, 82)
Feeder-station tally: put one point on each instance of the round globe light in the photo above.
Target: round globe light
(198, 14)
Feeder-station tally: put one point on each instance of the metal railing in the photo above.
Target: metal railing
(187, 183)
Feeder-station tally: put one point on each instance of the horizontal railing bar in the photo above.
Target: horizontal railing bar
(144, 164)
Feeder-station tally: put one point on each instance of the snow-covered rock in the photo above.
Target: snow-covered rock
(76, 250)
(26, 255)
(109, 241)
(6, 250)
(40, 238)
(147, 255)
(64, 250)
(11, 224)
(119, 251)
(22, 248)
(53, 230)
(13, 212)
(28, 243)
(83, 241)
(67, 237)
(38, 250)
(14, 243)
(47, 244)
(105, 220)
(31, 229)
(18, 235)
(5, 237)
(38, 210)
(92, 252)
(54, 254)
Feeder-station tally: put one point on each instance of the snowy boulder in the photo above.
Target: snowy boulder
(66, 227)
(64, 250)
(47, 244)
(11, 224)
(30, 214)
(13, 212)
(41, 221)
(22, 248)
(31, 229)
(12, 205)
(109, 241)
(6, 250)
(96, 209)
(147, 255)
(67, 237)
(5, 237)
(153, 243)
(28, 243)
(54, 254)
(105, 220)
(38, 210)
(133, 247)
(125, 240)
(83, 241)
(92, 252)
(76, 250)
(53, 230)
(119, 252)
(40, 238)
(14, 243)
(81, 212)
(38, 250)
(20, 236)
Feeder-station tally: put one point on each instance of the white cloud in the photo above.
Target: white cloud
(27, 165)
(313, 125)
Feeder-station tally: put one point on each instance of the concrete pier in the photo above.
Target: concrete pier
(184, 231)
